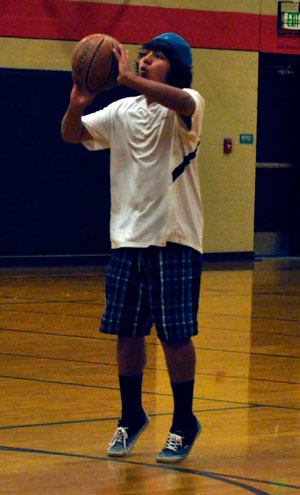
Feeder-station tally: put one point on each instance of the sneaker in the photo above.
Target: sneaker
(125, 438)
(178, 445)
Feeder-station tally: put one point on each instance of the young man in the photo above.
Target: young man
(156, 228)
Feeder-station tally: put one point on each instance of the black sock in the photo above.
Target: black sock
(131, 398)
(183, 417)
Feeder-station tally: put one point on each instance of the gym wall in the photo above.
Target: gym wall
(55, 195)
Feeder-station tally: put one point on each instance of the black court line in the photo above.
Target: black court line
(201, 328)
(227, 479)
(160, 394)
(52, 313)
(258, 318)
(264, 354)
(201, 348)
(246, 332)
(48, 301)
(255, 293)
(252, 317)
(255, 480)
(102, 363)
(208, 293)
(94, 276)
(54, 334)
(106, 387)
(111, 418)
(149, 368)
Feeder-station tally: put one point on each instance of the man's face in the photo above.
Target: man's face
(154, 65)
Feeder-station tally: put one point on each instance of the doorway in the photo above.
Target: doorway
(277, 201)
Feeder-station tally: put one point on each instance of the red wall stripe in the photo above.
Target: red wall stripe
(272, 43)
(69, 20)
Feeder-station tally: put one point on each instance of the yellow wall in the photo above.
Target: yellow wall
(228, 81)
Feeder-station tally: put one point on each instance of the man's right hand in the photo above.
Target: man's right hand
(72, 129)
(80, 97)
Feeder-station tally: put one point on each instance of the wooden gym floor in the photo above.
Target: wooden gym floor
(60, 400)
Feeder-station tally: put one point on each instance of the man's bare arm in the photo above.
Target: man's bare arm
(72, 129)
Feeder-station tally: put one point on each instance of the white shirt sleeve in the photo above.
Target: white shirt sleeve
(98, 125)
(192, 128)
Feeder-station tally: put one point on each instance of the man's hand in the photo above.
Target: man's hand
(72, 129)
(80, 97)
(122, 57)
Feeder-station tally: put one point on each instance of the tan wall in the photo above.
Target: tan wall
(228, 81)
(269, 7)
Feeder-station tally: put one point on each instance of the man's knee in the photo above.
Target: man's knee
(177, 344)
(131, 354)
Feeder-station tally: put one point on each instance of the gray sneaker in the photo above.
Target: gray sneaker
(125, 438)
(178, 445)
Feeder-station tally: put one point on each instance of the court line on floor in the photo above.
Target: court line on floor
(203, 314)
(201, 328)
(52, 313)
(149, 368)
(228, 479)
(67, 301)
(161, 394)
(100, 420)
(102, 363)
(106, 387)
(251, 317)
(200, 348)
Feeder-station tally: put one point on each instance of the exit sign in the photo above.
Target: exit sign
(289, 17)
(291, 20)
(246, 138)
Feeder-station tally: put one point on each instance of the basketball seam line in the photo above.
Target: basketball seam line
(113, 61)
(91, 63)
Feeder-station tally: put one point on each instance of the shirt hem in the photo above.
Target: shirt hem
(117, 245)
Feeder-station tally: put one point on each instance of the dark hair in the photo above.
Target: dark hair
(180, 75)
(179, 54)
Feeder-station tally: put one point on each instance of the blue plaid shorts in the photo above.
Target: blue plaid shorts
(153, 286)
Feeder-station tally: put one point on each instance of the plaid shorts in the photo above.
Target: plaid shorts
(153, 286)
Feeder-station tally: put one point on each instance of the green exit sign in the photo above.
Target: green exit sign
(246, 138)
(291, 20)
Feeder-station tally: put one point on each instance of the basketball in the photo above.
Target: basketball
(94, 65)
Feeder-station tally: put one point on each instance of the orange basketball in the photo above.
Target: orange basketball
(94, 65)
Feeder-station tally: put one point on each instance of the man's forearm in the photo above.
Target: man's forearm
(171, 97)
(71, 126)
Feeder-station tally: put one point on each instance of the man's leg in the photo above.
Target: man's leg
(131, 359)
(131, 355)
(127, 315)
(181, 361)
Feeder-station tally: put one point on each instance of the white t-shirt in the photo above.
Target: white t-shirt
(155, 190)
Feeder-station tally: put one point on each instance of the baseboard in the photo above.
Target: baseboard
(229, 261)
(55, 260)
(235, 256)
(102, 259)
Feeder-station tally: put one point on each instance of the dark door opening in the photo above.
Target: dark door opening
(277, 203)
